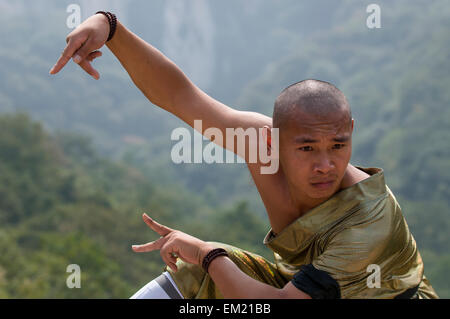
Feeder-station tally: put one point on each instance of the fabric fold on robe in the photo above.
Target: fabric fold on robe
(356, 235)
(343, 247)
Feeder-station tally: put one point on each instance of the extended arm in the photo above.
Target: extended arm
(229, 279)
(165, 85)
(159, 79)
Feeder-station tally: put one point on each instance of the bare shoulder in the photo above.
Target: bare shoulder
(353, 176)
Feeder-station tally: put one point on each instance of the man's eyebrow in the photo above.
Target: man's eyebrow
(305, 140)
(342, 139)
(310, 140)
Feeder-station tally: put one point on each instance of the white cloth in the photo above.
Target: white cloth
(153, 290)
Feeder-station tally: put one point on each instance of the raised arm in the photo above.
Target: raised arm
(159, 79)
(165, 85)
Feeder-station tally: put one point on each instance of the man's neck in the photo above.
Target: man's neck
(304, 206)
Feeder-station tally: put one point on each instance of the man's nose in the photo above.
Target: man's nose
(323, 165)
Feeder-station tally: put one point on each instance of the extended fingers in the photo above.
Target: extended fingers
(164, 244)
(87, 66)
(62, 61)
(166, 251)
(70, 49)
(80, 47)
(154, 245)
(160, 229)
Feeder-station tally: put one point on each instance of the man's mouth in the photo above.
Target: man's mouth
(323, 184)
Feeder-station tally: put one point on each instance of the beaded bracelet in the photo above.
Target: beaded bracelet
(112, 19)
(211, 256)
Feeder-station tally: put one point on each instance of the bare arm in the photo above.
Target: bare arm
(159, 79)
(233, 283)
(165, 85)
(229, 279)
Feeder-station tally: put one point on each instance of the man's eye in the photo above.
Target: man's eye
(305, 148)
(338, 146)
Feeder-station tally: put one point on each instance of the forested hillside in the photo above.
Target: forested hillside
(85, 158)
(61, 204)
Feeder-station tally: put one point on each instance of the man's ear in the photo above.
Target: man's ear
(267, 136)
(353, 124)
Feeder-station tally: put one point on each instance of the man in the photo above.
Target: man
(331, 222)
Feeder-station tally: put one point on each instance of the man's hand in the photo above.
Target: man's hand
(231, 281)
(174, 244)
(83, 43)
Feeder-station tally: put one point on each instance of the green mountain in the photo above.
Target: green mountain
(62, 204)
(97, 153)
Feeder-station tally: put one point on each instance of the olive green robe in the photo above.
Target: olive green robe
(358, 237)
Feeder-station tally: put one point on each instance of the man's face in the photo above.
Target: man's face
(315, 152)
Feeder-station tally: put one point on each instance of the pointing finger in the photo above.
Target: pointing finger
(160, 229)
(154, 245)
(62, 61)
(71, 47)
(87, 66)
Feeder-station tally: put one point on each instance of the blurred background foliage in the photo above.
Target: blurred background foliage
(81, 160)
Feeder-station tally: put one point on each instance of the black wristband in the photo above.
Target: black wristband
(112, 20)
(211, 256)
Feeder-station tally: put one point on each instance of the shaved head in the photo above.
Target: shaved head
(312, 97)
(315, 129)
